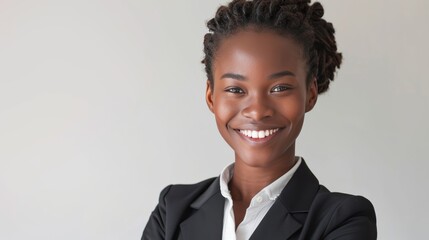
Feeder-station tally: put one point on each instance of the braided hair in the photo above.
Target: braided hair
(297, 19)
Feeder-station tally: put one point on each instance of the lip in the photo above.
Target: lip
(257, 140)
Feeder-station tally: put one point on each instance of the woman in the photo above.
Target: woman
(266, 63)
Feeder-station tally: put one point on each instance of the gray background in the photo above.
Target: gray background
(102, 105)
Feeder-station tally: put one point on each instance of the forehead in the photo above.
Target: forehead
(265, 50)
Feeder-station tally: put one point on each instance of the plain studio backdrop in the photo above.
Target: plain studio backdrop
(102, 105)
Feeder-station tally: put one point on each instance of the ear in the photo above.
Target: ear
(209, 96)
(312, 94)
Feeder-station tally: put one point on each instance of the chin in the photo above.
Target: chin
(256, 160)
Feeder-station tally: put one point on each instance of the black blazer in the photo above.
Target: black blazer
(304, 210)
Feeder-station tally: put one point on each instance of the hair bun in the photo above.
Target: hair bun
(316, 11)
(299, 19)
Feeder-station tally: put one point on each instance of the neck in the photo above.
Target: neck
(248, 180)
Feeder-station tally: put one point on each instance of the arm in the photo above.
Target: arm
(353, 219)
(155, 228)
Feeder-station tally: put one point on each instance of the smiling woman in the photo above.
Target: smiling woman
(266, 63)
(270, 94)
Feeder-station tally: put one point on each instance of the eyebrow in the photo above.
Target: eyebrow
(281, 74)
(234, 76)
(273, 76)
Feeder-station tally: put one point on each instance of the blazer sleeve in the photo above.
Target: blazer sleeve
(354, 219)
(155, 228)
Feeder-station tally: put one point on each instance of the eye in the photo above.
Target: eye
(280, 88)
(234, 90)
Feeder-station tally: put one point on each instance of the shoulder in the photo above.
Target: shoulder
(179, 197)
(335, 200)
(174, 205)
(181, 191)
(340, 214)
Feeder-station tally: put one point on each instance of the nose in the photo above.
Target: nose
(258, 108)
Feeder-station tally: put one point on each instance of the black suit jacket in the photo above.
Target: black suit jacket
(304, 210)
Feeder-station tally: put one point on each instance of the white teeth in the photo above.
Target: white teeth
(258, 134)
(255, 134)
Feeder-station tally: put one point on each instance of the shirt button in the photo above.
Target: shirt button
(259, 199)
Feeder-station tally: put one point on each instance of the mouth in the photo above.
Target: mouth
(258, 136)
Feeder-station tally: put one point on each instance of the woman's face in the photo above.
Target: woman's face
(260, 96)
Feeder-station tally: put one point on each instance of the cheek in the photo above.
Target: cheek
(223, 117)
(224, 111)
(292, 106)
(293, 113)
(298, 112)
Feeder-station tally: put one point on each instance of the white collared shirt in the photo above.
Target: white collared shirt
(259, 205)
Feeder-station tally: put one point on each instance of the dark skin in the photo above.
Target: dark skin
(260, 83)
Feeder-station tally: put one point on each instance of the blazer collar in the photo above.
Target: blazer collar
(207, 220)
(288, 213)
(284, 218)
(299, 193)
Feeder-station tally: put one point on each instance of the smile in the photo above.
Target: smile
(258, 134)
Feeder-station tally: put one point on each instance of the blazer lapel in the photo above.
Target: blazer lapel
(288, 213)
(207, 220)
(277, 224)
(283, 221)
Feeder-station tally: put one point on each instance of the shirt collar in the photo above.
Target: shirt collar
(270, 192)
(225, 177)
